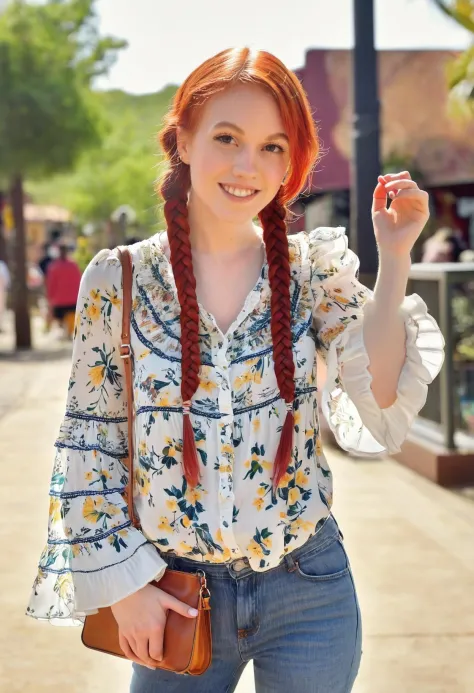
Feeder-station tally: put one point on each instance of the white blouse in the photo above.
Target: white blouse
(94, 557)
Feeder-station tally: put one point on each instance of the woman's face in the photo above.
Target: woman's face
(238, 153)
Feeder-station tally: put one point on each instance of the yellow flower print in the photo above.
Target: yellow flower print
(63, 586)
(105, 474)
(259, 503)
(93, 311)
(192, 495)
(227, 448)
(219, 536)
(115, 300)
(309, 432)
(172, 505)
(142, 448)
(292, 254)
(261, 491)
(266, 465)
(143, 481)
(54, 509)
(185, 548)
(285, 480)
(331, 333)
(144, 354)
(255, 549)
(110, 509)
(91, 509)
(226, 554)
(185, 521)
(293, 495)
(247, 464)
(96, 375)
(168, 440)
(88, 476)
(95, 294)
(164, 525)
(225, 468)
(324, 307)
(319, 446)
(301, 478)
(297, 418)
(267, 542)
(256, 425)
(208, 385)
(76, 550)
(163, 401)
(283, 515)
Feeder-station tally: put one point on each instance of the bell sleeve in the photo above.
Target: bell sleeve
(93, 557)
(360, 426)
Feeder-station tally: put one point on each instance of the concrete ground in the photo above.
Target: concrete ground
(411, 545)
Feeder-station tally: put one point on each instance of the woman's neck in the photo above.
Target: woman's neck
(212, 236)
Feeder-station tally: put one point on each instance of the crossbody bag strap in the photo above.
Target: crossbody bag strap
(126, 355)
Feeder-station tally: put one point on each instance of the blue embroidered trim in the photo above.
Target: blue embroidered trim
(298, 393)
(93, 417)
(97, 570)
(179, 410)
(155, 315)
(89, 448)
(219, 415)
(90, 540)
(91, 492)
(150, 345)
(248, 357)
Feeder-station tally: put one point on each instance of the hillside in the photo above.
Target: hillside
(133, 121)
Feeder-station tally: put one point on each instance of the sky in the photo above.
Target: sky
(168, 39)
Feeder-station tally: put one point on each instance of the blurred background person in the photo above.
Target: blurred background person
(62, 287)
(445, 245)
(5, 281)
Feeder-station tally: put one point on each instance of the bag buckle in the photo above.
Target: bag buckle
(129, 351)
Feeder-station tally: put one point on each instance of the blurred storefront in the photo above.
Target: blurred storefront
(419, 132)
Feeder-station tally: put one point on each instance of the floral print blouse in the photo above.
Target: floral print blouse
(94, 557)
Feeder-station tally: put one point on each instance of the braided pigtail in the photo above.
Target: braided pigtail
(272, 218)
(174, 189)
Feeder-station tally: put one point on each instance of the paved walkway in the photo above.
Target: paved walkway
(411, 546)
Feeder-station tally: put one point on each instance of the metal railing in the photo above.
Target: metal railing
(438, 284)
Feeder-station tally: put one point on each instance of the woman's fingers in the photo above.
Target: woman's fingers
(130, 649)
(395, 176)
(400, 184)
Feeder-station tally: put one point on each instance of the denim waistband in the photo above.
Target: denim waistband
(328, 533)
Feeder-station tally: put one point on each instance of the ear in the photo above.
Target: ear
(183, 142)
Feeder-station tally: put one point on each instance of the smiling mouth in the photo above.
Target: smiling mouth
(241, 193)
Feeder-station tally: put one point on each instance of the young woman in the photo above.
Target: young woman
(227, 319)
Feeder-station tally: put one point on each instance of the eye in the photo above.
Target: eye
(225, 139)
(277, 149)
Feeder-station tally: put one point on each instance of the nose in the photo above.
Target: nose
(245, 163)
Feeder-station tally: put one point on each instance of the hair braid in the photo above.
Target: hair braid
(275, 237)
(174, 190)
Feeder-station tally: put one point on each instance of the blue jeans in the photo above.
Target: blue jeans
(299, 623)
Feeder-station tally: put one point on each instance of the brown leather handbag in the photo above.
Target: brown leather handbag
(187, 647)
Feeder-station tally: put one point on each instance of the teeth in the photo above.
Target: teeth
(238, 192)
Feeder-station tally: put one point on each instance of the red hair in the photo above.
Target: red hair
(225, 70)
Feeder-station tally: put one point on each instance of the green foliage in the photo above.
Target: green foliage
(461, 69)
(122, 170)
(49, 54)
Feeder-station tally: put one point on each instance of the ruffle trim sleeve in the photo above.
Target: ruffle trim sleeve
(358, 423)
(65, 598)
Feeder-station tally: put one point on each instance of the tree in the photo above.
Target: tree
(49, 55)
(461, 72)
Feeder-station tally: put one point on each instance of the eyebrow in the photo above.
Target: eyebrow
(227, 124)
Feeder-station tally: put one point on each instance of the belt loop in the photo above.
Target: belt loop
(291, 565)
